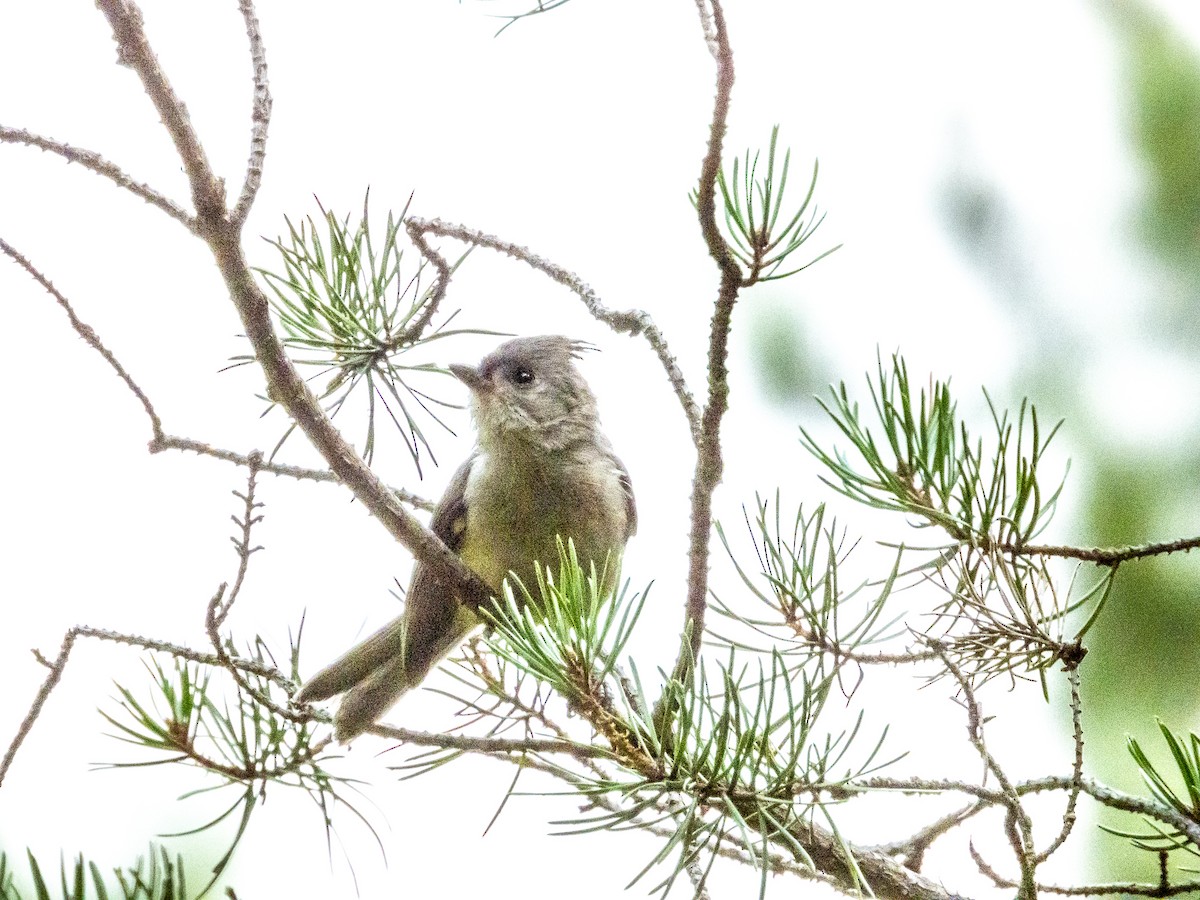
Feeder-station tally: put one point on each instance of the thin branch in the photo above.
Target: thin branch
(915, 785)
(1162, 889)
(1018, 825)
(717, 38)
(86, 332)
(697, 874)
(631, 321)
(1105, 556)
(821, 640)
(260, 115)
(234, 666)
(493, 685)
(101, 166)
(886, 878)
(437, 295)
(1114, 799)
(171, 442)
(709, 463)
(1101, 793)
(160, 441)
(913, 848)
(39, 701)
(729, 848)
(1142, 890)
(219, 612)
(490, 744)
(133, 50)
(1068, 822)
(223, 238)
(176, 650)
(708, 27)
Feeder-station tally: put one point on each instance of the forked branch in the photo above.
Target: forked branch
(221, 231)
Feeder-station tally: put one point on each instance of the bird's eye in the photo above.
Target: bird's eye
(521, 376)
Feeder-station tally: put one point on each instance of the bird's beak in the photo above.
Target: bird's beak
(469, 376)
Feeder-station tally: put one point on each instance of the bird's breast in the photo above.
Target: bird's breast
(518, 507)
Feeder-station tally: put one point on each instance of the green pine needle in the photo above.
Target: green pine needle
(349, 307)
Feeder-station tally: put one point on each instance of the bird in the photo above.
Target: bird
(542, 471)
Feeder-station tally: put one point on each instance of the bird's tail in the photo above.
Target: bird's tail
(377, 672)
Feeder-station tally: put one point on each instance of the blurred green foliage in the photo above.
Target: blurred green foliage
(1161, 74)
(1146, 659)
(782, 361)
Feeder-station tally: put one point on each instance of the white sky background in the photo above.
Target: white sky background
(577, 133)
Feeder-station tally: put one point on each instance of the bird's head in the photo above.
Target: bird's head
(528, 391)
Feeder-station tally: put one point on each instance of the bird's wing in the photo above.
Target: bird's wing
(430, 607)
(424, 599)
(630, 503)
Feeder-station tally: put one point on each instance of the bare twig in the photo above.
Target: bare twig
(1162, 889)
(708, 27)
(260, 115)
(1018, 825)
(631, 321)
(221, 603)
(886, 878)
(490, 744)
(1076, 770)
(824, 642)
(1105, 556)
(709, 463)
(86, 332)
(697, 874)
(160, 441)
(39, 701)
(417, 327)
(1101, 793)
(986, 869)
(1114, 799)
(250, 518)
(913, 847)
(171, 442)
(1133, 888)
(728, 848)
(234, 665)
(133, 50)
(223, 238)
(176, 650)
(101, 166)
(494, 686)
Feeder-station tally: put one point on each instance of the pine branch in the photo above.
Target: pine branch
(222, 235)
